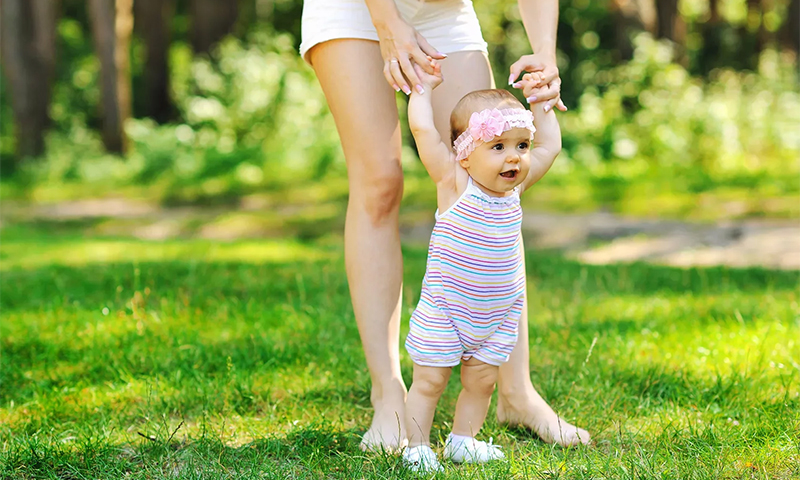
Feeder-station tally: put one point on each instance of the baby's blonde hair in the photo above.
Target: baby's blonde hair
(475, 102)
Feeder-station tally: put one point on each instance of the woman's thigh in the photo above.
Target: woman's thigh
(363, 105)
(463, 72)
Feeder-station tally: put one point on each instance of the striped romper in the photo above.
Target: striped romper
(474, 284)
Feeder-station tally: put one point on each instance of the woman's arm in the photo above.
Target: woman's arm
(401, 46)
(540, 18)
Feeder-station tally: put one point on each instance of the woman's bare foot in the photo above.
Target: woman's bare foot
(387, 432)
(528, 409)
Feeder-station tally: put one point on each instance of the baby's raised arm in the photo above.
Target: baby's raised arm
(433, 152)
(546, 144)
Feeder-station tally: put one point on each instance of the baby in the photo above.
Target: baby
(473, 291)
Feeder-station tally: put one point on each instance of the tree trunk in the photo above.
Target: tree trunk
(670, 25)
(790, 31)
(152, 25)
(755, 23)
(630, 17)
(112, 22)
(712, 56)
(713, 10)
(28, 51)
(211, 21)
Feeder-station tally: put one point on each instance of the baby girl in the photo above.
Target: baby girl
(473, 291)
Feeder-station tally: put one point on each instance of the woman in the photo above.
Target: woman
(361, 50)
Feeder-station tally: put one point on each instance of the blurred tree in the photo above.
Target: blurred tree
(211, 20)
(631, 16)
(112, 23)
(790, 32)
(755, 23)
(712, 53)
(28, 51)
(152, 22)
(671, 25)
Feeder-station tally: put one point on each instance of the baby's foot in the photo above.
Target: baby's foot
(468, 450)
(386, 432)
(534, 413)
(421, 459)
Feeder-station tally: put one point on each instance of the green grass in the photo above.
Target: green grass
(196, 359)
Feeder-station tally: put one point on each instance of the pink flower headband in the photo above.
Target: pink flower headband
(489, 123)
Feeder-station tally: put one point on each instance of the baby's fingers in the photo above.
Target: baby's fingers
(531, 79)
(530, 89)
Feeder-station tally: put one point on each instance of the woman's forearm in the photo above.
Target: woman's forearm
(540, 18)
(383, 13)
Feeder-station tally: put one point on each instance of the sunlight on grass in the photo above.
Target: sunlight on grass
(87, 251)
(218, 352)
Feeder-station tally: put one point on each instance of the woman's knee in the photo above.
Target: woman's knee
(379, 191)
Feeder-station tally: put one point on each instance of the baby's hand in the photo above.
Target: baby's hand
(531, 84)
(430, 81)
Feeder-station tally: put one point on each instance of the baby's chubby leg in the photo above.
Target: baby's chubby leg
(478, 380)
(427, 387)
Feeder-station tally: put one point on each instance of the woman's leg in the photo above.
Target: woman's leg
(365, 111)
(518, 402)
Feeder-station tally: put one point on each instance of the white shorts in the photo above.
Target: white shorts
(448, 25)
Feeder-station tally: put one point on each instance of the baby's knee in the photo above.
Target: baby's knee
(430, 381)
(479, 379)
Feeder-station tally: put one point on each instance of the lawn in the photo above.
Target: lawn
(199, 359)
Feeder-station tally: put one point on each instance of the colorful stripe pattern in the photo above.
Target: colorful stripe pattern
(474, 283)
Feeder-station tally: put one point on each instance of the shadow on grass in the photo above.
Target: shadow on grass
(305, 453)
(196, 282)
(550, 270)
(321, 450)
(100, 283)
(254, 292)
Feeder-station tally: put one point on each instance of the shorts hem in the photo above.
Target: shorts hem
(428, 363)
(493, 361)
(306, 46)
(467, 47)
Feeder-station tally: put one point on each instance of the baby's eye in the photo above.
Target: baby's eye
(523, 146)
(498, 147)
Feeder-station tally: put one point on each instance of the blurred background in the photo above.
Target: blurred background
(184, 118)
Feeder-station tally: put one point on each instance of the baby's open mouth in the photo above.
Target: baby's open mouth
(510, 174)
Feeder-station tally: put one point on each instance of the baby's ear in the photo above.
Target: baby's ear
(464, 162)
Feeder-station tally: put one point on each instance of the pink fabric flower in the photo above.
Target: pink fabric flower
(486, 124)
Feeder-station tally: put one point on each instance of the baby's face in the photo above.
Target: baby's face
(502, 163)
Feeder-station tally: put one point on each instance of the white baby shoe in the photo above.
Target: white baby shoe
(469, 450)
(421, 459)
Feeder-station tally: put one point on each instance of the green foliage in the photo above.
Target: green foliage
(253, 116)
(651, 111)
(649, 124)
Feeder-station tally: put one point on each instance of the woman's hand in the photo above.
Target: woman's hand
(402, 47)
(547, 87)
